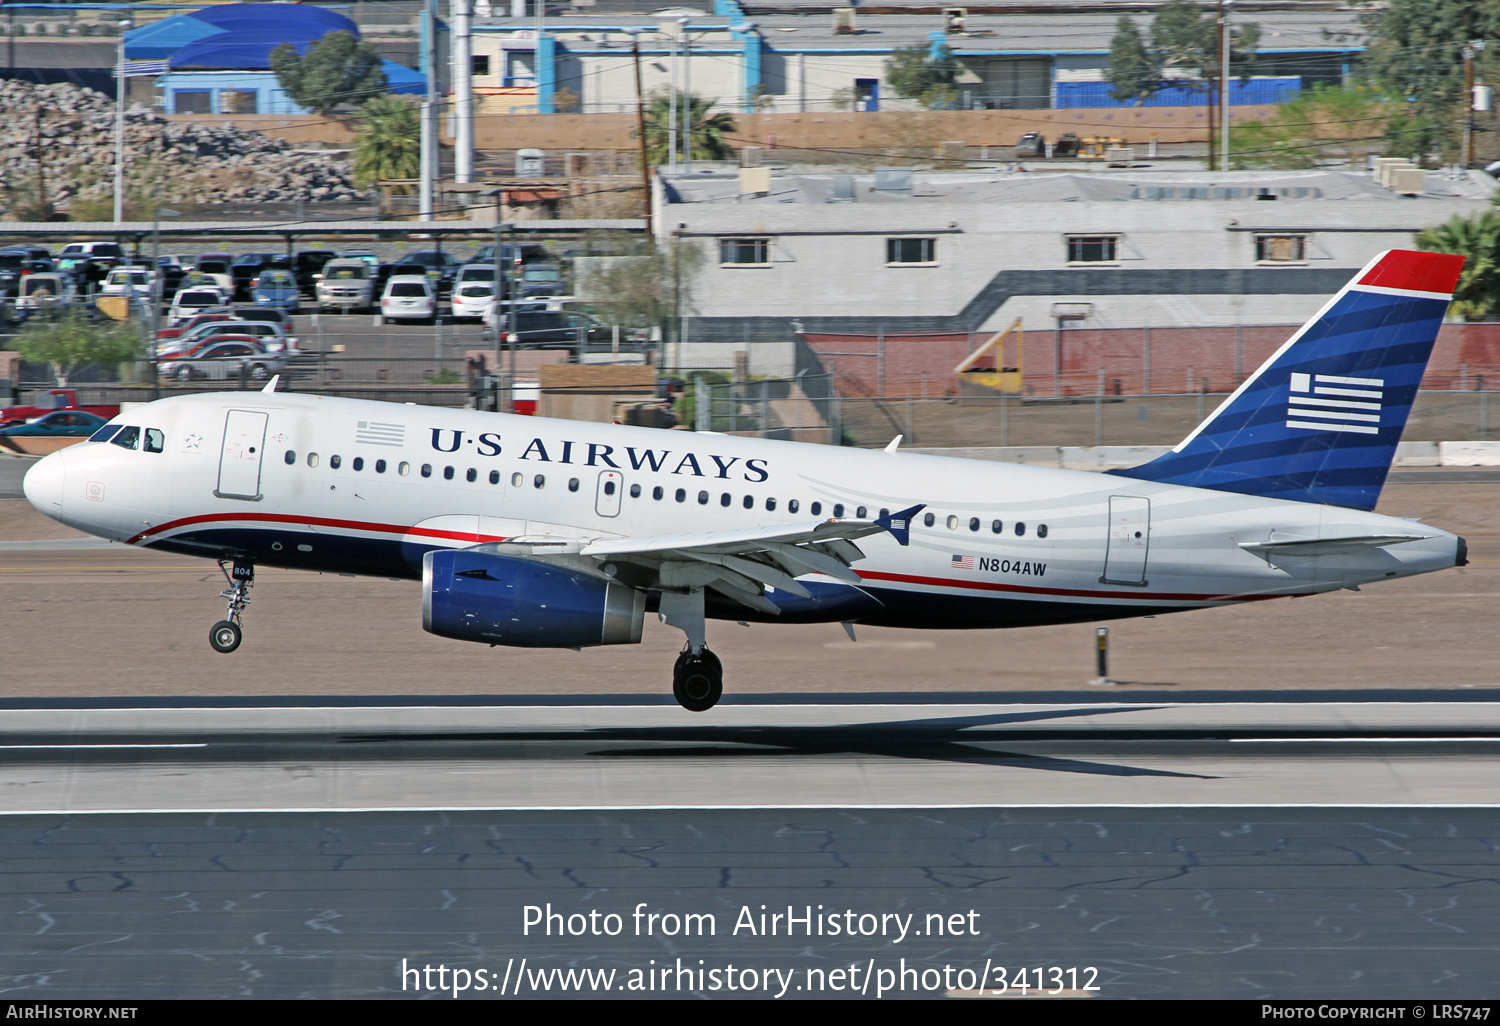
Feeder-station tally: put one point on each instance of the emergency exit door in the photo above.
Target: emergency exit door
(607, 499)
(239, 461)
(1129, 540)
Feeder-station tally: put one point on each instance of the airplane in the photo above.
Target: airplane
(546, 533)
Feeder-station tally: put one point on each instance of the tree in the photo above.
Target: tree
(337, 69)
(1183, 51)
(1416, 53)
(70, 342)
(1477, 239)
(708, 131)
(648, 291)
(388, 141)
(922, 73)
(1325, 120)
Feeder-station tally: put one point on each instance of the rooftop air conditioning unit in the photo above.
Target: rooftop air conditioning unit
(843, 21)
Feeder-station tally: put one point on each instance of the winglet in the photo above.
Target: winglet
(271, 385)
(894, 444)
(899, 523)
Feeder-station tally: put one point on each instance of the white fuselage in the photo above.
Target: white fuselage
(1071, 545)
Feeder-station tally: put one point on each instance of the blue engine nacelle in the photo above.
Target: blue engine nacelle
(506, 600)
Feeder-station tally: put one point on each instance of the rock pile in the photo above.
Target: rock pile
(168, 160)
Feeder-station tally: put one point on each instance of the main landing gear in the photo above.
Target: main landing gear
(698, 677)
(225, 636)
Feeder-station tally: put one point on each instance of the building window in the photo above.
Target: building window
(740, 252)
(239, 101)
(1280, 249)
(481, 63)
(911, 251)
(1093, 249)
(192, 101)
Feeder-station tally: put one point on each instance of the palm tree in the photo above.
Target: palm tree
(708, 132)
(1477, 239)
(388, 141)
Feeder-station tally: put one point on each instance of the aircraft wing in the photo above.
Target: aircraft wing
(741, 564)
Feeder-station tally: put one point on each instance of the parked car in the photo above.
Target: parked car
(51, 402)
(277, 289)
(78, 254)
(409, 297)
(135, 282)
(224, 360)
(273, 337)
(438, 265)
(194, 300)
(41, 292)
(345, 283)
(473, 291)
(217, 272)
(210, 314)
(16, 263)
(51, 432)
(541, 279)
(307, 265)
(557, 329)
(270, 315)
(245, 269)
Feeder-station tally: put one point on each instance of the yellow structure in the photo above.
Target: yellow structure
(1002, 378)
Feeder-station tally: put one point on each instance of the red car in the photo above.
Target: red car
(193, 322)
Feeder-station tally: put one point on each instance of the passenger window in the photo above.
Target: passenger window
(517, 479)
(996, 526)
(427, 470)
(635, 491)
(572, 484)
(749, 502)
(471, 475)
(657, 492)
(102, 435)
(403, 468)
(335, 462)
(358, 463)
(380, 466)
(312, 459)
(291, 457)
(128, 438)
(538, 481)
(682, 495)
(838, 509)
(447, 473)
(973, 523)
(156, 442)
(791, 506)
(860, 513)
(1020, 529)
(929, 520)
(815, 509)
(494, 477)
(953, 523)
(725, 499)
(1041, 530)
(703, 498)
(771, 505)
(883, 513)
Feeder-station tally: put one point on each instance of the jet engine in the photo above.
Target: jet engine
(509, 600)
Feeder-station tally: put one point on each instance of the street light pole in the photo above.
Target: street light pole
(672, 117)
(120, 124)
(463, 91)
(687, 98)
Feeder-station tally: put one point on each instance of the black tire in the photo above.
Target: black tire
(225, 636)
(698, 682)
(704, 654)
(184, 374)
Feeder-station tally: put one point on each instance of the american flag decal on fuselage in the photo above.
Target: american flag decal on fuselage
(1332, 402)
(962, 563)
(372, 432)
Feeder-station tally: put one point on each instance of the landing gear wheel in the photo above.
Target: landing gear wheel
(225, 636)
(698, 681)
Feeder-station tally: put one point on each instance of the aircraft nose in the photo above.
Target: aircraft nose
(43, 484)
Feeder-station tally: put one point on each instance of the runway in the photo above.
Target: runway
(1313, 849)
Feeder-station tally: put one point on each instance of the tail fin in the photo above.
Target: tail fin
(1320, 420)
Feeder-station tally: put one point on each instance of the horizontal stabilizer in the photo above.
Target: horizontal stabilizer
(1318, 546)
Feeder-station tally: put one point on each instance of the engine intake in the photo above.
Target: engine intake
(506, 600)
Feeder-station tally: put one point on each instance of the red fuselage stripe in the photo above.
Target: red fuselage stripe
(285, 518)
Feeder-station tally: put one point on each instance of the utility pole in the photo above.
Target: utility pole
(120, 124)
(463, 90)
(687, 98)
(429, 142)
(640, 129)
(1471, 48)
(1224, 39)
(672, 115)
(1215, 89)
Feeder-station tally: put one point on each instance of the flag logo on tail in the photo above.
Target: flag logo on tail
(962, 563)
(1332, 402)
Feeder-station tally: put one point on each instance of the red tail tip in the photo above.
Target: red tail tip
(1417, 272)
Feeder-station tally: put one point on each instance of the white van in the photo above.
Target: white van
(190, 302)
(409, 297)
(345, 283)
(473, 291)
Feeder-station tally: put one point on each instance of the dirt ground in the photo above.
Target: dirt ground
(124, 622)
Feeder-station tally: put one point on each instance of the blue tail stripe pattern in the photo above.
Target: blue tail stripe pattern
(1320, 422)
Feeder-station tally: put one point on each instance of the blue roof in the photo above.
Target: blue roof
(250, 32)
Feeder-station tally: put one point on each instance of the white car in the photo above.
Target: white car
(473, 291)
(272, 337)
(135, 282)
(409, 297)
(345, 283)
(223, 360)
(192, 301)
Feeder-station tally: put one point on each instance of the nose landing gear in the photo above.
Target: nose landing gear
(225, 636)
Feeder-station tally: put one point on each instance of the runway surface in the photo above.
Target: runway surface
(1195, 849)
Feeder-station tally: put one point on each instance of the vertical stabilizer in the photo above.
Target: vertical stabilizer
(1319, 421)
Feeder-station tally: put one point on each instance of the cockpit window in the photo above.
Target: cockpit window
(128, 438)
(155, 440)
(104, 433)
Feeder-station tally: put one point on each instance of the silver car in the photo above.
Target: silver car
(226, 359)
